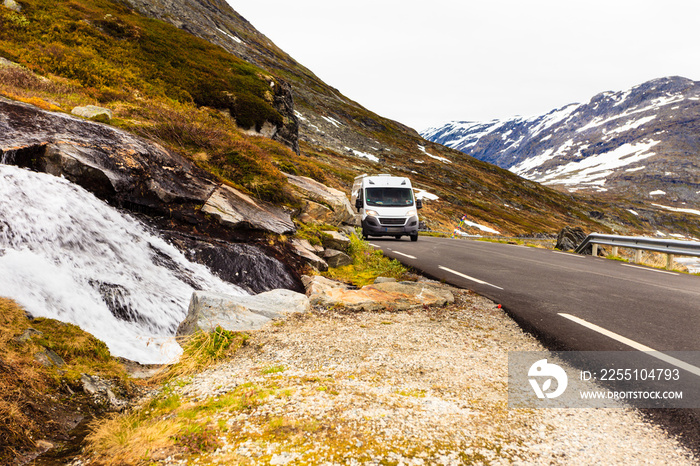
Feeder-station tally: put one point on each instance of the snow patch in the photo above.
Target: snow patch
(596, 168)
(232, 37)
(675, 209)
(632, 124)
(332, 121)
(423, 194)
(442, 159)
(365, 155)
(481, 227)
(658, 192)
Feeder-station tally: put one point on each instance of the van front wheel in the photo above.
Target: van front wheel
(414, 237)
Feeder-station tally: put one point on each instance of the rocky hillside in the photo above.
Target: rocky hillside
(640, 144)
(343, 139)
(240, 108)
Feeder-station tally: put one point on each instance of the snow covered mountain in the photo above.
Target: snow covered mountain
(643, 143)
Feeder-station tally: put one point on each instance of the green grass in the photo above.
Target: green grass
(367, 265)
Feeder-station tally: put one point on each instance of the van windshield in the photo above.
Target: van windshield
(389, 197)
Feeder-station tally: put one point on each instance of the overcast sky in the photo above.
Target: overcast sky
(427, 62)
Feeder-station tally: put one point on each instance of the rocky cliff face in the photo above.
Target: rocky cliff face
(640, 144)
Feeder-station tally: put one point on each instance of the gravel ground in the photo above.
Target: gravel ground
(420, 387)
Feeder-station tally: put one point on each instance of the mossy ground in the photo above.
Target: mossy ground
(40, 403)
(367, 265)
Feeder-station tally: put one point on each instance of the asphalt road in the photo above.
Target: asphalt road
(571, 302)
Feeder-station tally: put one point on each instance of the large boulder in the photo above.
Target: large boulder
(235, 209)
(317, 285)
(92, 111)
(569, 238)
(306, 251)
(335, 240)
(335, 258)
(12, 5)
(249, 266)
(337, 201)
(396, 295)
(209, 310)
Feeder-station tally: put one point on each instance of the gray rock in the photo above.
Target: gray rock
(317, 285)
(28, 335)
(335, 258)
(48, 358)
(569, 238)
(239, 313)
(398, 296)
(101, 392)
(336, 200)
(237, 210)
(379, 280)
(277, 304)
(305, 250)
(335, 240)
(12, 5)
(92, 111)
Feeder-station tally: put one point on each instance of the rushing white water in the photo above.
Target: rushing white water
(67, 255)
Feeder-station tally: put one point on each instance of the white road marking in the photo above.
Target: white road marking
(638, 346)
(405, 255)
(650, 270)
(568, 254)
(374, 245)
(468, 277)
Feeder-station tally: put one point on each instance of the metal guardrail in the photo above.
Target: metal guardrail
(670, 247)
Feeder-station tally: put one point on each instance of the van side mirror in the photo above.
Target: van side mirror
(358, 203)
(419, 203)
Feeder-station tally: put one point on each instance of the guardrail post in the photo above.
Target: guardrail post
(594, 251)
(669, 261)
(615, 251)
(638, 256)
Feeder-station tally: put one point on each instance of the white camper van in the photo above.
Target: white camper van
(387, 206)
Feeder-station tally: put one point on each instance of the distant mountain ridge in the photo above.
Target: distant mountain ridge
(642, 144)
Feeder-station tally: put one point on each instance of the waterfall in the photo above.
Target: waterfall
(66, 255)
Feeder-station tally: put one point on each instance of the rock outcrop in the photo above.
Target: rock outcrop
(124, 169)
(239, 313)
(338, 209)
(569, 238)
(92, 111)
(335, 258)
(236, 209)
(395, 295)
(245, 264)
